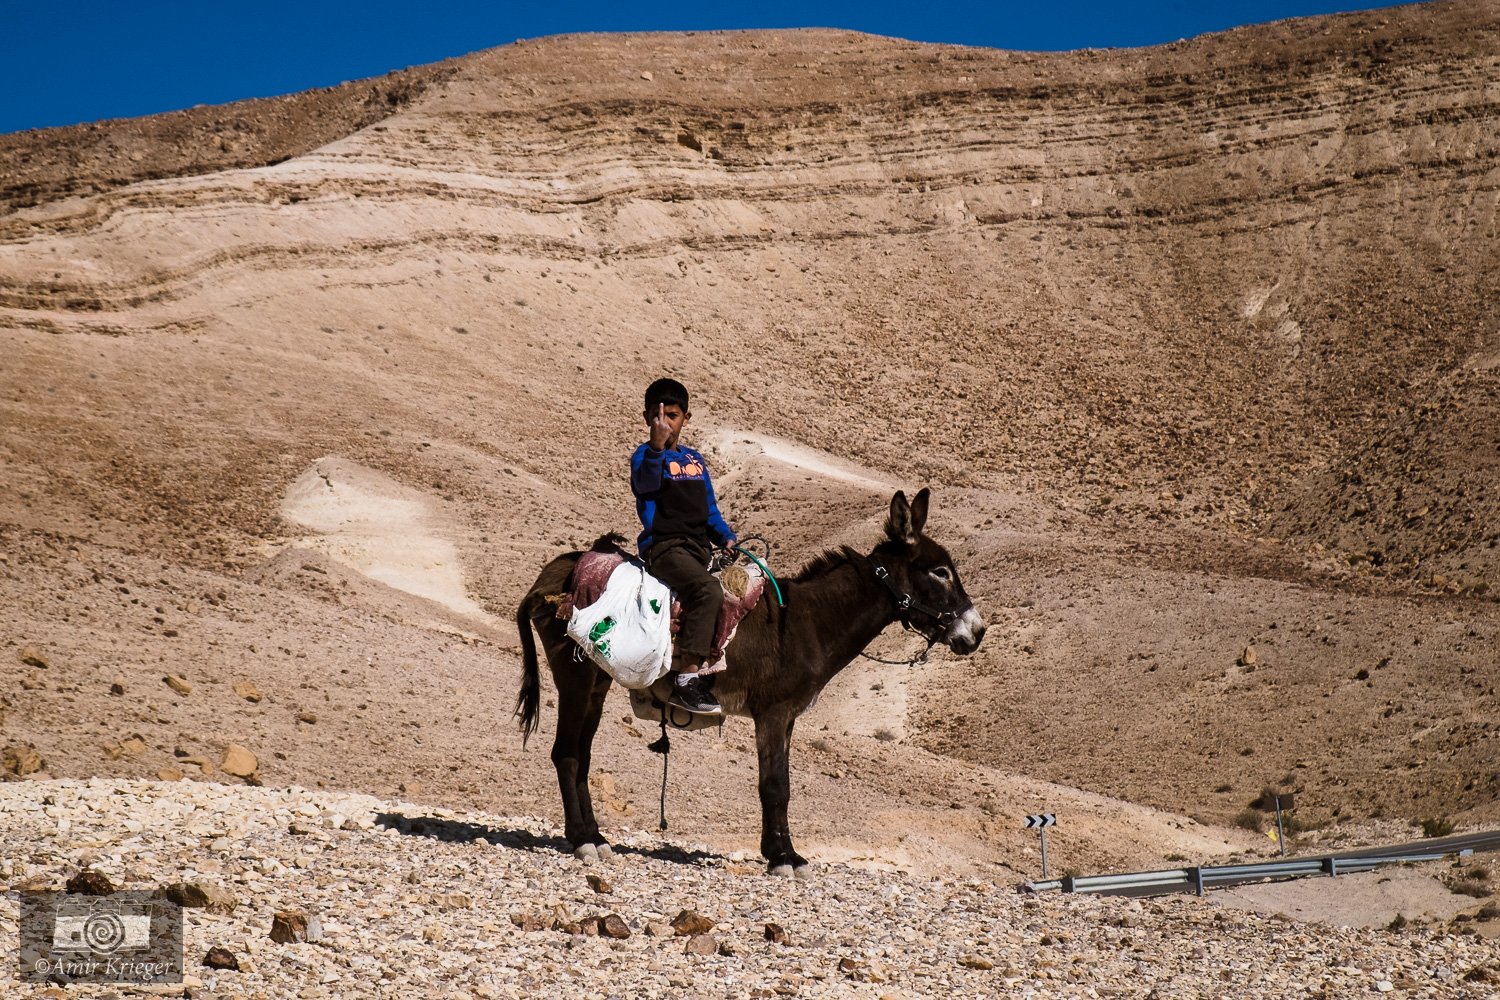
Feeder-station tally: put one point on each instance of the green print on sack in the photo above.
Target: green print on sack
(655, 606)
(603, 648)
(600, 629)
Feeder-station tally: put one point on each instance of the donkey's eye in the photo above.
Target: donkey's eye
(941, 573)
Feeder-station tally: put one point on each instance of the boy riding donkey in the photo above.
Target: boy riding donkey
(675, 500)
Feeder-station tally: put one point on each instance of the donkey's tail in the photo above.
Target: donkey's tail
(528, 701)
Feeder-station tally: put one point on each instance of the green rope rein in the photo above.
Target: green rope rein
(764, 569)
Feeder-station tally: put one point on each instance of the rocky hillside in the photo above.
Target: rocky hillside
(1195, 344)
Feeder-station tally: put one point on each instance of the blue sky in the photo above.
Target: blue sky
(67, 63)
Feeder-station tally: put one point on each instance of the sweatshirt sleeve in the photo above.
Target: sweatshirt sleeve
(718, 528)
(645, 470)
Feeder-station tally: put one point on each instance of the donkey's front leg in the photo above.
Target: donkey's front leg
(773, 734)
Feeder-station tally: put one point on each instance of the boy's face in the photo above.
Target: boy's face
(668, 417)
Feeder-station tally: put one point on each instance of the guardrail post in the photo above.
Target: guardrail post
(1280, 832)
(1197, 874)
(1331, 865)
(1067, 884)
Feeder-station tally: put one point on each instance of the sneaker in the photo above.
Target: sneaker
(691, 693)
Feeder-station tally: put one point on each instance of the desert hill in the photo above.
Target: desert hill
(1196, 345)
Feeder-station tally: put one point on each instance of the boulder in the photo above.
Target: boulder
(238, 761)
(532, 920)
(221, 958)
(91, 882)
(132, 746)
(19, 761)
(295, 927)
(247, 691)
(202, 763)
(612, 925)
(198, 896)
(691, 922)
(701, 944)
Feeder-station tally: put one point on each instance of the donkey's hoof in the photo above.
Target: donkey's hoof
(803, 872)
(782, 871)
(586, 853)
(606, 853)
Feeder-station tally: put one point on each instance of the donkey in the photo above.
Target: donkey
(779, 661)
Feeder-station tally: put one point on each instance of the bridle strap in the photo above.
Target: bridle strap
(907, 604)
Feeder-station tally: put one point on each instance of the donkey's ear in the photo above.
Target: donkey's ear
(919, 511)
(899, 526)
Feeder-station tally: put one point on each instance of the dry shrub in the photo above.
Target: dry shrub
(1470, 887)
(1437, 826)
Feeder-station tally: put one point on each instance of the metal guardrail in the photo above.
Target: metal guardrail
(1204, 877)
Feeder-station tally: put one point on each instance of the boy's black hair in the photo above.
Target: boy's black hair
(668, 391)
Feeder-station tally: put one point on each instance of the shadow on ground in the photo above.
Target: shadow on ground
(459, 832)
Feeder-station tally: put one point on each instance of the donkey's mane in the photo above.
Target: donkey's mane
(832, 559)
(825, 563)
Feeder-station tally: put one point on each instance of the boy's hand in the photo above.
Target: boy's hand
(661, 428)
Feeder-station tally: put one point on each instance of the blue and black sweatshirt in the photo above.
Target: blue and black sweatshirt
(675, 497)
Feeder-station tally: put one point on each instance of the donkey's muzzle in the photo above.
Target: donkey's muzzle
(966, 633)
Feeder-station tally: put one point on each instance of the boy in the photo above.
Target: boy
(675, 500)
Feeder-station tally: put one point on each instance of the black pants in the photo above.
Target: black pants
(682, 564)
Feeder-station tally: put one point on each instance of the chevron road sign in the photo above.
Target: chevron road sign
(1040, 824)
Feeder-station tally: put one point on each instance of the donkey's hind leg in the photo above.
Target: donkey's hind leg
(580, 701)
(593, 713)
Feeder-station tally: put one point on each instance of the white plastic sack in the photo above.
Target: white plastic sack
(628, 630)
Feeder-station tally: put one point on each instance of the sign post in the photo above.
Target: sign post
(1040, 824)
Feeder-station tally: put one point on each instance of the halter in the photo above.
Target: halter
(907, 604)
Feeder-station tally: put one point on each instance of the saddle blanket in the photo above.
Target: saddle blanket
(595, 579)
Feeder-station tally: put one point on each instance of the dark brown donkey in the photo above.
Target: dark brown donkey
(779, 660)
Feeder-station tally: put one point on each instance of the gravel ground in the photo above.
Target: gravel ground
(420, 902)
